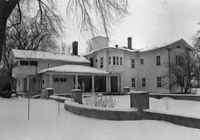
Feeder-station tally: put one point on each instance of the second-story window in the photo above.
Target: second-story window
(132, 63)
(114, 60)
(133, 82)
(143, 82)
(141, 61)
(117, 60)
(158, 60)
(101, 62)
(179, 60)
(120, 60)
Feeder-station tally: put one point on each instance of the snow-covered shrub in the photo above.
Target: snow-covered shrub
(100, 101)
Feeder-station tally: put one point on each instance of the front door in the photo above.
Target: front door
(114, 84)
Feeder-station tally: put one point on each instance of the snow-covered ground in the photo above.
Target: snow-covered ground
(172, 106)
(164, 105)
(47, 122)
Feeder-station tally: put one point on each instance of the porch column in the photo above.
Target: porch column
(28, 84)
(119, 83)
(108, 84)
(76, 81)
(93, 84)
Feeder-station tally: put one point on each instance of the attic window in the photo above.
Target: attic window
(178, 46)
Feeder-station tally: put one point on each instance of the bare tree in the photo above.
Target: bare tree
(30, 34)
(106, 10)
(27, 33)
(196, 54)
(183, 70)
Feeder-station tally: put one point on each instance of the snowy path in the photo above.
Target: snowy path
(46, 123)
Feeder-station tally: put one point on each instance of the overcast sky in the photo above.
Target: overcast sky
(150, 23)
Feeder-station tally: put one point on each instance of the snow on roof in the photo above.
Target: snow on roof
(74, 69)
(30, 54)
(165, 45)
(120, 48)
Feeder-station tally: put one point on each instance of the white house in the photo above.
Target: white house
(139, 69)
(36, 70)
(108, 69)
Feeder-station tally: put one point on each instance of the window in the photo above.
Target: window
(24, 63)
(132, 63)
(120, 60)
(101, 62)
(179, 60)
(117, 60)
(141, 61)
(158, 60)
(159, 81)
(28, 63)
(113, 60)
(91, 62)
(33, 63)
(143, 82)
(63, 80)
(109, 60)
(133, 82)
(56, 79)
(96, 62)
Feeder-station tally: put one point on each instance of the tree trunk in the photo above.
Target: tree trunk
(2, 36)
(6, 8)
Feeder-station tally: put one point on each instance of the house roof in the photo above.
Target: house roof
(74, 69)
(106, 48)
(30, 54)
(173, 44)
(170, 45)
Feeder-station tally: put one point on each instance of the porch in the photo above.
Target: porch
(65, 78)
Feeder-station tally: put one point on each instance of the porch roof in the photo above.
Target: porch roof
(74, 69)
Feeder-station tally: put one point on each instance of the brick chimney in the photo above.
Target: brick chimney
(129, 42)
(75, 48)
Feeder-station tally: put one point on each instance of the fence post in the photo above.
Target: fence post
(139, 100)
(77, 95)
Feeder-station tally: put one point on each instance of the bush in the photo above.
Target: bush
(101, 101)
